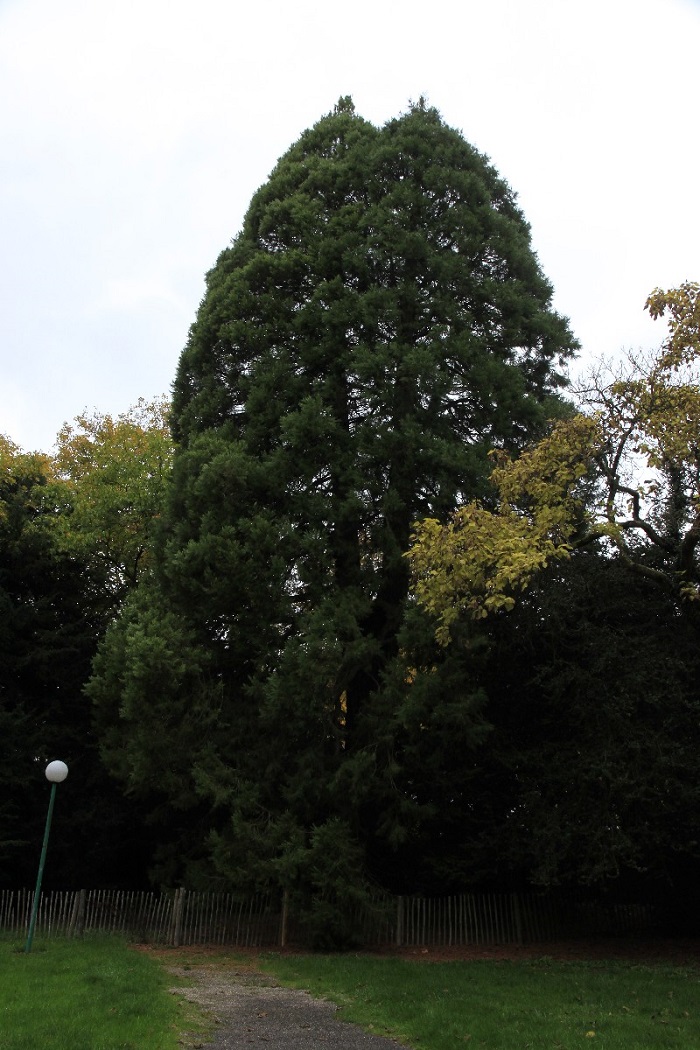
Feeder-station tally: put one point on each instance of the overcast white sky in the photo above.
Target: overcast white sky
(133, 135)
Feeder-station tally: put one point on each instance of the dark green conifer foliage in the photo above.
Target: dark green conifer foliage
(589, 774)
(379, 324)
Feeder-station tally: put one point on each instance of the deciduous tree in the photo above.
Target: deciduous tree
(110, 478)
(627, 469)
(52, 613)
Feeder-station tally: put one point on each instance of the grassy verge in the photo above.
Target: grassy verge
(86, 995)
(538, 1005)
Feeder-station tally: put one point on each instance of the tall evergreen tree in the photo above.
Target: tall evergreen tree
(378, 326)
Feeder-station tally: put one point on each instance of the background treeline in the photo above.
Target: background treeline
(208, 610)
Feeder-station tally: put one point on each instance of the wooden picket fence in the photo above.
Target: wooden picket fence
(514, 918)
(191, 918)
(179, 918)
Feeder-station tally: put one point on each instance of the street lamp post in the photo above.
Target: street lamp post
(56, 773)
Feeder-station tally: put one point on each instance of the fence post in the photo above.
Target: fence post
(284, 919)
(517, 917)
(77, 919)
(178, 907)
(399, 921)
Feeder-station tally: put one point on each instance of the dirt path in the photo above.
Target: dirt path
(250, 1010)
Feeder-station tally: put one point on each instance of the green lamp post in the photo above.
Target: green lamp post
(56, 773)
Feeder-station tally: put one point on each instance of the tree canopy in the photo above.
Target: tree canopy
(110, 477)
(626, 469)
(74, 528)
(589, 772)
(376, 354)
(379, 325)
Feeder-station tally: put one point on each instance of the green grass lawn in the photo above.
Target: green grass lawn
(507, 1005)
(85, 995)
(100, 995)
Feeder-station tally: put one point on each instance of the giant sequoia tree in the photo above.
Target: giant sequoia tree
(378, 326)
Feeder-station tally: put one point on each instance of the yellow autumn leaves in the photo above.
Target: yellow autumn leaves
(483, 557)
(616, 469)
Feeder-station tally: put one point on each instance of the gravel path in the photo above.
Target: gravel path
(250, 1010)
